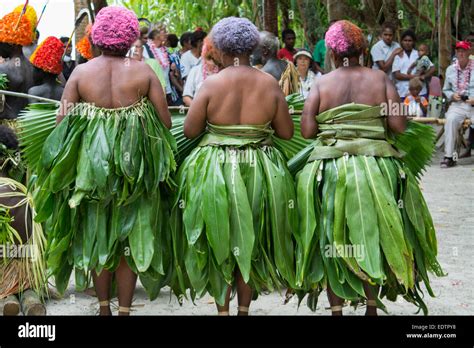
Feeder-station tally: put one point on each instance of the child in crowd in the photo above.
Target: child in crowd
(423, 63)
(417, 105)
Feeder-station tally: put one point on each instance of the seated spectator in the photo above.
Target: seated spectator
(417, 105)
(459, 89)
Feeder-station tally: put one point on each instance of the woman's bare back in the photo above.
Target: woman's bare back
(351, 85)
(242, 95)
(112, 82)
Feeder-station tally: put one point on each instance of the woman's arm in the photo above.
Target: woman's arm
(195, 122)
(70, 95)
(309, 126)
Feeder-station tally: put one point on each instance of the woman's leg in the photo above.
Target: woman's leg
(126, 282)
(371, 293)
(244, 294)
(102, 284)
(224, 310)
(335, 302)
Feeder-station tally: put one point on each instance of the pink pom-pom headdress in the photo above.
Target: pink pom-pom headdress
(345, 39)
(115, 29)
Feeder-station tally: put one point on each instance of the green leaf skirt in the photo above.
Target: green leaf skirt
(363, 218)
(102, 185)
(235, 210)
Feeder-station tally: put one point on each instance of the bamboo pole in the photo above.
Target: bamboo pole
(28, 96)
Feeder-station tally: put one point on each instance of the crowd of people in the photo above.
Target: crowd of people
(119, 205)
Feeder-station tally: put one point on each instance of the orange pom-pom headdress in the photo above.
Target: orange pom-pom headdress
(84, 46)
(24, 33)
(48, 56)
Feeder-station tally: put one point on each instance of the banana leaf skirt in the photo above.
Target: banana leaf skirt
(101, 190)
(362, 215)
(235, 209)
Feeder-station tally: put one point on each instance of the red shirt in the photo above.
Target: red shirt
(285, 54)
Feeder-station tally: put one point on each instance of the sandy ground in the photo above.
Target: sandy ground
(449, 196)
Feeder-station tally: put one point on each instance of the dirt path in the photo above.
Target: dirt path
(449, 196)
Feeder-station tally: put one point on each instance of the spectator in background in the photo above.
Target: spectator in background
(144, 34)
(176, 81)
(289, 38)
(68, 64)
(417, 105)
(207, 66)
(319, 53)
(402, 63)
(470, 39)
(303, 62)
(459, 89)
(191, 57)
(268, 50)
(384, 52)
(136, 52)
(185, 42)
(155, 48)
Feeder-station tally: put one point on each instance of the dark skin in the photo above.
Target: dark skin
(111, 81)
(408, 43)
(216, 105)
(20, 76)
(328, 92)
(50, 88)
(387, 37)
(289, 42)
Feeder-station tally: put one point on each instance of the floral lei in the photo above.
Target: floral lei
(463, 87)
(160, 54)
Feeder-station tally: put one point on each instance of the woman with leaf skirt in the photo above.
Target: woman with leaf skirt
(234, 216)
(103, 171)
(365, 230)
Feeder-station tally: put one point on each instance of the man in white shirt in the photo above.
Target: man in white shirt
(402, 63)
(191, 57)
(384, 52)
(459, 89)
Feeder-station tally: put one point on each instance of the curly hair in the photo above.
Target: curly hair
(8, 138)
(345, 39)
(115, 29)
(235, 36)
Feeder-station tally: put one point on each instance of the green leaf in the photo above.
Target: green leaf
(362, 218)
(141, 237)
(241, 221)
(215, 209)
(390, 224)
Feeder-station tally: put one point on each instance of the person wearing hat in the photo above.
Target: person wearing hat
(16, 66)
(303, 61)
(47, 62)
(459, 89)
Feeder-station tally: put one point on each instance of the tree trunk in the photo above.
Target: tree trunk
(99, 5)
(311, 21)
(390, 12)
(81, 30)
(285, 14)
(336, 9)
(270, 16)
(444, 34)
